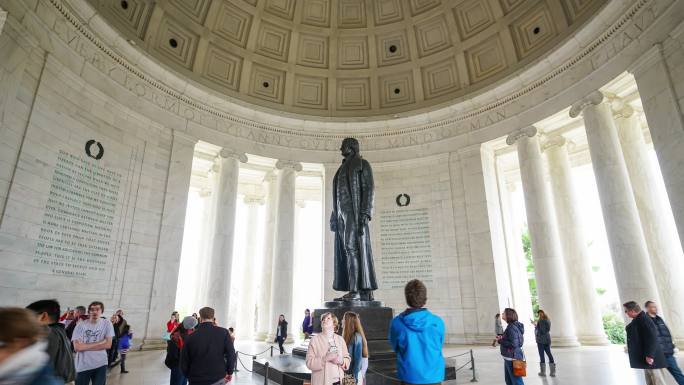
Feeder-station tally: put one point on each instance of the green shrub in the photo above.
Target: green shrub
(615, 329)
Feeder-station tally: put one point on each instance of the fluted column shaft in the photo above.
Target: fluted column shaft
(657, 91)
(588, 322)
(660, 232)
(208, 218)
(631, 263)
(546, 251)
(283, 254)
(520, 286)
(264, 318)
(218, 295)
(245, 326)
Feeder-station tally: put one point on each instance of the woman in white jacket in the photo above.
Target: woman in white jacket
(327, 357)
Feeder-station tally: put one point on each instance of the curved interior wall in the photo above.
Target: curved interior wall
(68, 78)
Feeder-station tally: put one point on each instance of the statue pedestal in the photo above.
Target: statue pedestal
(376, 320)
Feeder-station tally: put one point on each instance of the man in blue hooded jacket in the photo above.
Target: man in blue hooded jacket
(417, 336)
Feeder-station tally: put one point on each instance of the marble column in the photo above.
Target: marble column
(218, 296)
(588, 322)
(167, 262)
(549, 270)
(208, 217)
(328, 236)
(283, 253)
(517, 265)
(264, 321)
(660, 232)
(666, 123)
(247, 300)
(631, 263)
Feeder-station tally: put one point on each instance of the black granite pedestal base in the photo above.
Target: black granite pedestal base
(376, 320)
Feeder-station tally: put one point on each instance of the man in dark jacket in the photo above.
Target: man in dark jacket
(642, 344)
(665, 341)
(59, 346)
(208, 355)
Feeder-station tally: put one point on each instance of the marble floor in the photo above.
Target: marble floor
(585, 366)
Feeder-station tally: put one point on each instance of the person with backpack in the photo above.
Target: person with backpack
(173, 350)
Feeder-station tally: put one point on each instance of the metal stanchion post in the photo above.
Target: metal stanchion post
(472, 367)
(271, 350)
(266, 374)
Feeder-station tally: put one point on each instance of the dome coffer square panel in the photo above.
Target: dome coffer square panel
(313, 51)
(420, 6)
(194, 9)
(440, 78)
(534, 29)
(352, 52)
(353, 94)
(472, 17)
(311, 92)
(509, 5)
(134, 17)
(432, 36)
(281, 8)
(316, 13)
(396, 89)
(387, 11)
(486, 59)
(351, 14)
(223, 68)
(392, 48)
(176, 42)
(233, 24)
(267, 83)
(575, 9)
(273, 41)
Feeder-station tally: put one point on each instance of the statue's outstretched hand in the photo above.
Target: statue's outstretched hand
(333, 223)
(363, 223)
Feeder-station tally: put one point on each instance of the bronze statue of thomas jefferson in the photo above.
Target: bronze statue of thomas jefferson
(352, 210)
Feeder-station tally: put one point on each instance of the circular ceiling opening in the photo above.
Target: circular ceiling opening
(173, 43)
(124, 4)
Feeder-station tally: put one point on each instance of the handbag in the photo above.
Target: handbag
(166, 336)
(519, 368)
(348, 379)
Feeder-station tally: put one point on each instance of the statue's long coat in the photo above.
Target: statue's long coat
(353, 195)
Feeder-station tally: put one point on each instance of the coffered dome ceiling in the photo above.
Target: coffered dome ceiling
(347, 58)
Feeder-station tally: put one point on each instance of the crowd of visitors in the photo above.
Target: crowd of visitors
(41, 345)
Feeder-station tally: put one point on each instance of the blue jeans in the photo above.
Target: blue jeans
(177, 377)
(674, 370)
(544, 348)
(98, 376)
(510, 378)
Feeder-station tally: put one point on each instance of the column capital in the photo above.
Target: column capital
(623, 110)
(291, 164)
(230, 153)
(301, 203)
(254, 199)
(595, 98)
(513, 137)
(270, 176)
(554, 141)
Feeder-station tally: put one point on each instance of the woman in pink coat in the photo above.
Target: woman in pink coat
(327, 357)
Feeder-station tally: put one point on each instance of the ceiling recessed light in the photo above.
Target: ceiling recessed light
(173, 43)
